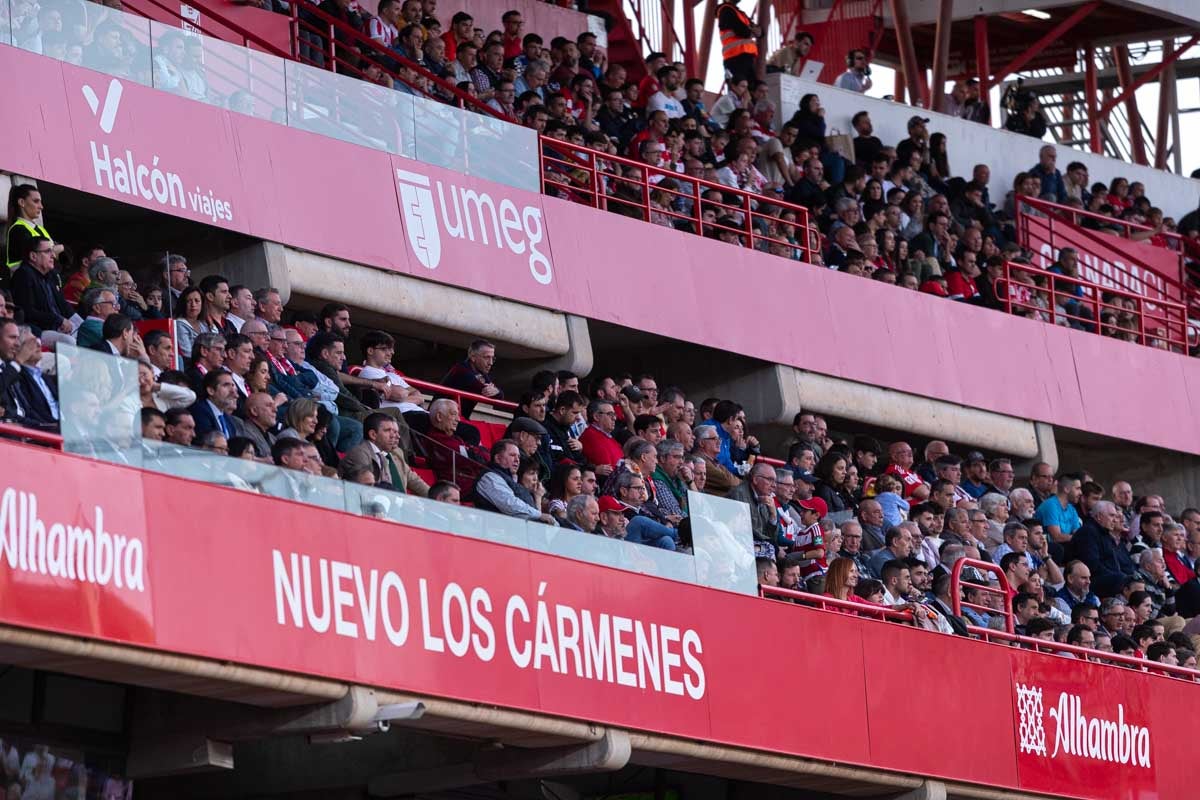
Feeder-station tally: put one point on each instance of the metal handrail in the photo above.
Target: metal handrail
(11, 430)
(1173, 330)
(826, 603)
(559, 158)
(378, 55)
(1004, 591)
(459, 395)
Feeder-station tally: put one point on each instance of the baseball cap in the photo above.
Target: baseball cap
(917, 120)
(526, 425)
(633, 393)
(974, 456)
(815, 504)
(610, 503)
(806, 476)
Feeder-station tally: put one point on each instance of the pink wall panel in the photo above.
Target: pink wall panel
(344, 201)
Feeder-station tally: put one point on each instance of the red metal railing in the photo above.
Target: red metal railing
(458, 395)
(331, 37)
(609, 182)
(1008, 636)
(1051, 217)
(860, 607)
(1162, 324)
(12, 431)
(1003, 591)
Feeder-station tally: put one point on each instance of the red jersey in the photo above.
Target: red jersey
(910, 479)
(811, 538)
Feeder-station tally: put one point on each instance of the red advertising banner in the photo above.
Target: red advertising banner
(265, 582)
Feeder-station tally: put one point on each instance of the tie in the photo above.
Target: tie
(392, 471)
(224, 426)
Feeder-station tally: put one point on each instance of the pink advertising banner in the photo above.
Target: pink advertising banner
(134, 144)
(320, 592)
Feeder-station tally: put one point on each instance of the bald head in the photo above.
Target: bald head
(254, 327)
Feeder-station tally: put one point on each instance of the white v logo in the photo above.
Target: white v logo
(112, 101)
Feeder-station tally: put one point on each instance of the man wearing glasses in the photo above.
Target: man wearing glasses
(857, 78)
(36, 294)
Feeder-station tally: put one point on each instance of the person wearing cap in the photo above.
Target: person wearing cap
(917, 141)
(758, 492)
(530, 436)
(975, 481)
(614, 521)
(809, 546)
(497, 488)
(857, 77)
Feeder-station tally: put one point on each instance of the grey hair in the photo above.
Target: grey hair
(261, 295)
(577, 504)
(845, 204)
(782, 472)
(1020, 492)
(952, 553)
(848, 524)
(638, 447)
(1146, 556)
(696, 431)
(625, 480)
(99, 266)
(668, 446)
(437, 405)
(991, 502)
(1103, 507)
(954, 514)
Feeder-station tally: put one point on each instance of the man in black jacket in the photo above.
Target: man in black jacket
(36, 294)
(1098, 545)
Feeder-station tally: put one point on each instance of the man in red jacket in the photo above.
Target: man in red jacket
(599, 446)
(1178, 553)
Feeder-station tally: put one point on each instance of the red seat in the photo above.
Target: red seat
(426, 474)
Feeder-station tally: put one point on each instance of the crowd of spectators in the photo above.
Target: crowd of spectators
(608, 454)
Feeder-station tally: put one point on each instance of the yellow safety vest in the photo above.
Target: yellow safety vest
(35, 230)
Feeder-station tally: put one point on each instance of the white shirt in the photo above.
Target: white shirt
(852, 81)
(383, 32)
(375, 373)
(661, 101)
(237, 321)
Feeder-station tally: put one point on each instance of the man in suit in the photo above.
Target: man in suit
(759, 494)
(258, 423)
(11, 405)
(36, 293)
(217, 402)
(120, 338)
(208, 355)
(39, 392)
(96, 305)
(381, 447)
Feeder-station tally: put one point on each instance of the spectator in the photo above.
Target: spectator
(497, 488)
(1180, 551)
(898, 546)
(474, 374)
(1098, 544)
(857, 77)
(867, 146)
(583, 513)
(739, 40)
(34, 290)
(451, 457)
(214, 409)
(672, 479)
(258, 423)
(759, 494)
(1058, 514)
(664, 99)
(381, 449)
(717, 479)
(642, 528)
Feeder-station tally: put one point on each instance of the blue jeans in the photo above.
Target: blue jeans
(643, 530)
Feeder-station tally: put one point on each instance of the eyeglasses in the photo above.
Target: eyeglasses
(44, 250)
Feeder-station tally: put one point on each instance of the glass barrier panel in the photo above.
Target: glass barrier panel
(88, 34)
(100, 405)
(345, 108)
(616, 553)
(502, 152)
(218, 73)
(196, 464)
(301, 487)
(723, 543)
(440, 134)
(5, 22)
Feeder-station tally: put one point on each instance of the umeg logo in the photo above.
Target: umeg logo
(470, 215)
(112, 102)
(1076, 734)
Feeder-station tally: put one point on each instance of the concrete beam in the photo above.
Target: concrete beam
(929, 790)
(774, 394)
(178, 754)
(608, 754)
(578, 358)
(426, 310)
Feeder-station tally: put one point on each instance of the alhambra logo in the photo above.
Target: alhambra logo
(1076, 734)
(466, 214)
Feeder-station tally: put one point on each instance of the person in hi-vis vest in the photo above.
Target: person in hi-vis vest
(24, 209)
(739, 41)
